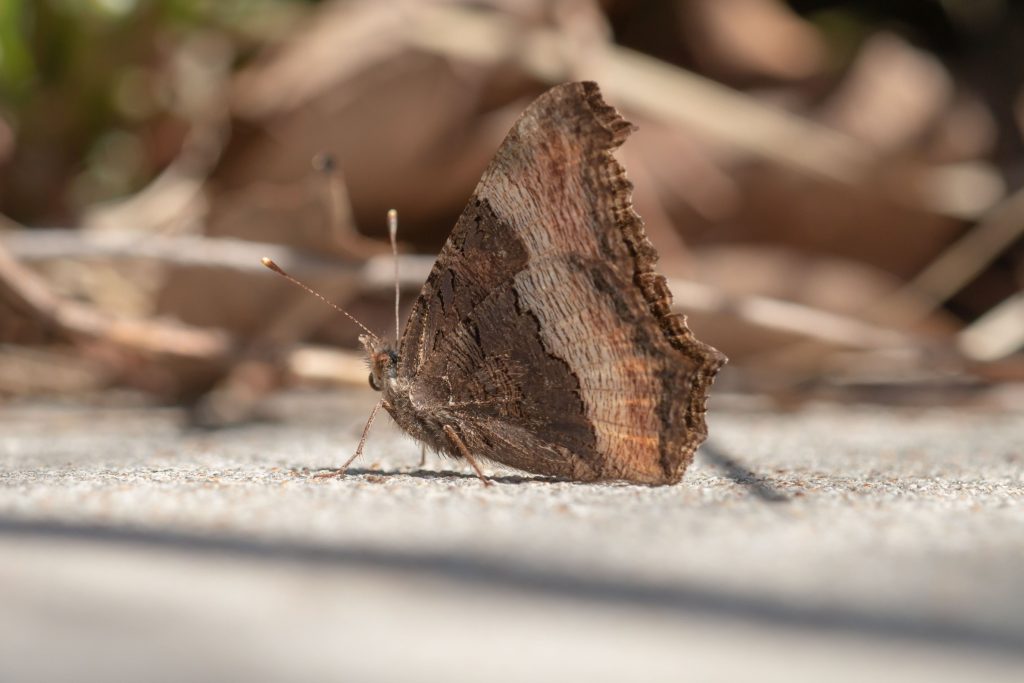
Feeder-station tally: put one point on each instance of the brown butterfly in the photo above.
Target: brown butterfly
(543, 339)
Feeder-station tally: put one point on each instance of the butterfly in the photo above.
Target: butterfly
(543, 338)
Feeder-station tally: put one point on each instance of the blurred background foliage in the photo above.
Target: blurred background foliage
(833, 185)
(92, 94)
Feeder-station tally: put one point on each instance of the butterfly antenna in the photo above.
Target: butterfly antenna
(277, 269)
(393, 234)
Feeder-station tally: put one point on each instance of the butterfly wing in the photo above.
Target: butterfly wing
(543, 336)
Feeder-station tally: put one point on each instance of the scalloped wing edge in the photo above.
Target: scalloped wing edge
(654, 287)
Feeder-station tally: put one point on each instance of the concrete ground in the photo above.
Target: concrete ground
(867, 543)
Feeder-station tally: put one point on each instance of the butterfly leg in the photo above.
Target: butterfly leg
(359, 449)
(423, 455)
(454, 438)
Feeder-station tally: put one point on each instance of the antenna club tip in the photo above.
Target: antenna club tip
(392, 224)
(269, 263)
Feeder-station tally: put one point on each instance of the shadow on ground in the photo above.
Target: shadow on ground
(730, 467)
(671, 599)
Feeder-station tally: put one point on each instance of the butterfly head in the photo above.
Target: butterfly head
(383, 361)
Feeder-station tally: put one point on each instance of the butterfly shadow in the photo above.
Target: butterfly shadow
(742, 475)
(379, 475)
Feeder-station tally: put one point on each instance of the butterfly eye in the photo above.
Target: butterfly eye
(374, 383)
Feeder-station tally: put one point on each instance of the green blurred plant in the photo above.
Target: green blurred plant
(89, 97)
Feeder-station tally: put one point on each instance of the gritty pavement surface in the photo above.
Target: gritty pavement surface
(840, 543)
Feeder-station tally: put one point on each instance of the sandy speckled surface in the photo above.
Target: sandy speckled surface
(870, 541)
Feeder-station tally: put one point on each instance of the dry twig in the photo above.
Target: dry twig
(28, 290)
(376, 274)
(966, 258)
(997, 334)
